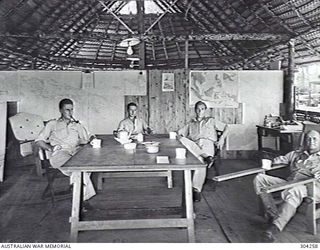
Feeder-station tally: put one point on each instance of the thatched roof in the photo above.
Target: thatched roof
(221, 34)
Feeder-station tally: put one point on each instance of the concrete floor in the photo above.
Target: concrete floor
(227, 214)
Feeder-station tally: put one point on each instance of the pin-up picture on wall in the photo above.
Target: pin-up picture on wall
(167, 82)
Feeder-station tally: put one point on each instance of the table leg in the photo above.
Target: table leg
(169, 178)
(76, 178)
(277, 143)
(189, 204)
(259, 133)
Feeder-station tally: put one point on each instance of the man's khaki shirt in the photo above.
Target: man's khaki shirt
(133, 127)
(301, 163)
(204, 129)
(68, 136)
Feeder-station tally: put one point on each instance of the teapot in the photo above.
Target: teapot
(123, 135)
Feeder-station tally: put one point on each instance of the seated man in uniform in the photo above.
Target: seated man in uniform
(62, 137)
(302, 163)
(133, 124)
(199, 136)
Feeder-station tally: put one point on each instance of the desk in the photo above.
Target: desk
(113, 157)
(285, 140)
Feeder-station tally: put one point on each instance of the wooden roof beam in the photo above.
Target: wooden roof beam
(22, 54)
(253, 12)
(85, 14)
(261, 54)
(152, 44)
(163, 42)
(179, 38)
(307, 59)
(106, 8)
(114, 47)
(98, 50)
(161, 16)
(226, 37)
(27, 15)
(298, 13)
(204, 23)
(86, 61)
(176, 42)
(215, 19)
(165, 5)
(56, 20)
(287, 27)
(141, 30)
(52, 20)
(13, 9)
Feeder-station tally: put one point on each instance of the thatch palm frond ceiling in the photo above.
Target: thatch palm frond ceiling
(221, 34)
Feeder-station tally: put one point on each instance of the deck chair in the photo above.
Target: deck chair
(51, 174)
(26, 127)
(217, 155)
(313, 211)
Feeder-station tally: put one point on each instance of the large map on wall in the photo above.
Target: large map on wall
(218, 89)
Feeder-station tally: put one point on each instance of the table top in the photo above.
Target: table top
(278, 130)
(113, 157)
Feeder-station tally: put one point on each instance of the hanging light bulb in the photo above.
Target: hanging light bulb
(129, 50)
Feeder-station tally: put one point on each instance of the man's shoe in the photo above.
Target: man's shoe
(196, 195)
(268, 236)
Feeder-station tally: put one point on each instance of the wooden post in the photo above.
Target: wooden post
(142, 52)
(76, 177)
(186, 54)
(311, 210)
(3, 133)
(288, 85)
(189, 205)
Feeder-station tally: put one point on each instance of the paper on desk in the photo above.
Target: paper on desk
(162, 159)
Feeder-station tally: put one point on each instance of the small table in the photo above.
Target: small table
(285, 140)
(113, 157)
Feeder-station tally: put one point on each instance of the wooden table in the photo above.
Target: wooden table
(113, 157)
(285, 140)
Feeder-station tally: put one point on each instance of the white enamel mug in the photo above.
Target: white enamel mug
(96, 143)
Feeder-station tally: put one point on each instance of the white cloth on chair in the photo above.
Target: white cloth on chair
(26, 127)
